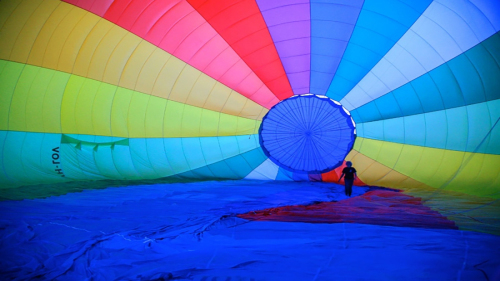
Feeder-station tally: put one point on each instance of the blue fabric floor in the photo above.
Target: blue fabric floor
(190, 231)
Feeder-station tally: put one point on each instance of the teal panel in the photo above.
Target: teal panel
(428, 93)
(381, 23)
(123, 161)
(494, 135)
(414, 129)
(191, 148)
(12, 155)
(472, 128)
(140, 158)
(284, 175)
(175, 155)
(469, 78)
(394, 129)
(458, 128)
(447, 86)
(158, 157)
(212, 149)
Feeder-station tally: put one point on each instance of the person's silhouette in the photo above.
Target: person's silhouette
(350, 175)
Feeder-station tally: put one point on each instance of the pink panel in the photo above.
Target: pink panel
(174, 26)
(149, 18)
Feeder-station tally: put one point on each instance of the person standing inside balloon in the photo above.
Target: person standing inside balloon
(350, 175)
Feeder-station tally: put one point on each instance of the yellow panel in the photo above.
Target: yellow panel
(137, 115)
(101, 111)
(68, 116)
(52, 102)
(8, 80)
(184, 84)
(414, 153)
(17, 109)
(247, 126)
(100, 59)
(439, 168)
(31, 29)
(173, 111)
(154, 117)
(119, 58)
(209, 122)
(34, 109)
(191, 120)
(75, 41)
(9, 32)
(92, 41)
(159, 74)
(374, 173)
(39, 47)
(218, 97)
(135, 65)
(6, 10)
(66, 38)
(236, 103)
(201, 91)
(84, 107)
(390, 153)
(119, 112)
(60, 36)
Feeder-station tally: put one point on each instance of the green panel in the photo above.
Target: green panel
(9, 77)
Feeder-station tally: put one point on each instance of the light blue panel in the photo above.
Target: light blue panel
(191, 148)
(175, 155)
(332, 23)
(436, 129)
(212, 148)
(494, 144)
(228, 146)
(12, 155)
(284, 175)
(236, 167)
(461, 129)
(123, 162)
(428, 93)
(394, 130)
(479, 127)
(254, 158)
(140, 157)
(447, 86)
(5, 179)
(158, 157)
(77, 160)
(248, 142)
(458, 128)
(468, 79)
(382, 23)
(105, 163)
(371, 130)
(415, 130)
(389, 105)
(483, 59)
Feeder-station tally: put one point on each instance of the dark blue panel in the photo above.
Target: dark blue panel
(307, 134)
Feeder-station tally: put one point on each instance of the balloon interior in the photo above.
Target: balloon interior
(206, 139)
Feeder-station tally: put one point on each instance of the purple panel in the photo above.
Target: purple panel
(315, 177)
(289, 24)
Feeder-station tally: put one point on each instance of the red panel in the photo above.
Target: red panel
(379, 207)
(241, 24)
(98, 7)
(333, 176)
(174, 26)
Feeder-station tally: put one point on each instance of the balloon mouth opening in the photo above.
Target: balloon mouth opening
(307, 134)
